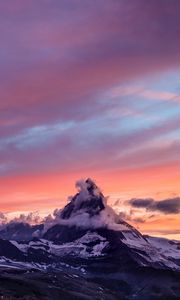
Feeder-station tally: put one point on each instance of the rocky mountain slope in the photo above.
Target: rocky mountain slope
(87, 238)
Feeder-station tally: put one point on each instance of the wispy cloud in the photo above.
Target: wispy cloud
(81, 93)
(166, 206)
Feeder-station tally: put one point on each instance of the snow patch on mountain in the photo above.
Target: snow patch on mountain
(89, 245)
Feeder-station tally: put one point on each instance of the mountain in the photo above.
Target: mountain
(19, 231)
(88, 239)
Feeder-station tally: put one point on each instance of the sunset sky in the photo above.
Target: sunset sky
(91, 89)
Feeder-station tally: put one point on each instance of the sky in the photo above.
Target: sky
(91, 89)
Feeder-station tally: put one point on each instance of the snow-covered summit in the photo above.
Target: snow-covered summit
(89, 200)
(88, 210)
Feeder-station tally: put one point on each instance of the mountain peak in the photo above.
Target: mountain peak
(88, 187)
(92, 187)
(88, 210)
(89, 200)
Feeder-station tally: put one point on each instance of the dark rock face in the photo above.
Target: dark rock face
(7, 249)
(93, 205)
(64, 234)
(20, 285)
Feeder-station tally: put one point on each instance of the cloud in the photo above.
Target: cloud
(30, 218)
(3, 218)
(128, 90)
(66, 59)
(131, 217)
(167, 206)
(139, 220)
(141, 203)
(160, 95)
(164, 232)
(63, 57)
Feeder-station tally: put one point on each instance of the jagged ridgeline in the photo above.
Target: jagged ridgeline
(88, 239)
(88, 228)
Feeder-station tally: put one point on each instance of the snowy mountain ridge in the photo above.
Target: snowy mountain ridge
(87, 228)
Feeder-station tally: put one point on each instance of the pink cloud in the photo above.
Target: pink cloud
(58, 63)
